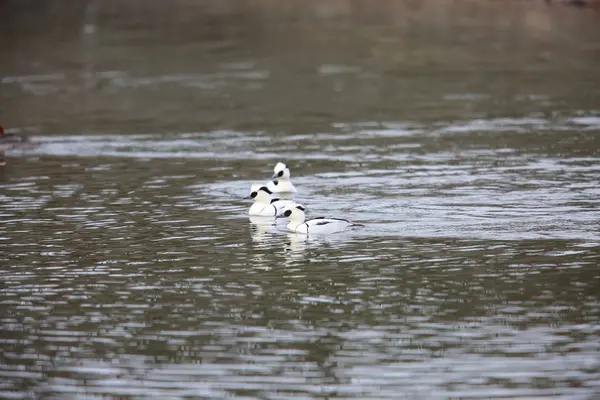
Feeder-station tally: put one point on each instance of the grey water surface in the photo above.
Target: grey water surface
(467, 144)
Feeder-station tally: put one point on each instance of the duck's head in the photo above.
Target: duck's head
(294, 212)
(262, 194)
(281, 171)
(278, 166)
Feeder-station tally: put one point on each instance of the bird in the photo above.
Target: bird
(320, 225)
(264, 204)
(281, 182)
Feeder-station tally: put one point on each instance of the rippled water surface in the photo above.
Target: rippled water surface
(469, 149)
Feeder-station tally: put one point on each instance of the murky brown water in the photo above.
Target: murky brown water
(466, 139)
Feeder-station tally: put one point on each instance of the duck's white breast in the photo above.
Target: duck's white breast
(281, 187)
(298, 228)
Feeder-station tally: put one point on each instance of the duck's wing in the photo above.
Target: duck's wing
(325, 221)
(341, 219)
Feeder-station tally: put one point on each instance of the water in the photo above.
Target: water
(468, 146)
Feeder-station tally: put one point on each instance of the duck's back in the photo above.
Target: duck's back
(327, 225)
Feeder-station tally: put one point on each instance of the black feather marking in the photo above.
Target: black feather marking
(342, 219)
(274, 200)
(334, 219)
(275, 182)
(323, 223)
(265, 189)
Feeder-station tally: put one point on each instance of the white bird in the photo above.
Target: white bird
(321, 225)
(264, 204)
(280, 182)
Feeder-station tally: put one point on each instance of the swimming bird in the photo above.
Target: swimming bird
(281, 182)
(265, 205)
(320, 225)
(10, 141)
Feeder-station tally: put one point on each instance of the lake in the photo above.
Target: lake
(464, 136)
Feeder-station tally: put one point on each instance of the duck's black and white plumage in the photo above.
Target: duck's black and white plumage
(281, 182)
(265, 205)
(320, 225)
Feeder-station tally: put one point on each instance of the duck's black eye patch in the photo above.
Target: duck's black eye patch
(253, 194)
(300, 208)
(287, 213)
(265, 189)
(280, 173)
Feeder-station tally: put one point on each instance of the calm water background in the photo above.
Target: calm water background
(465, 136)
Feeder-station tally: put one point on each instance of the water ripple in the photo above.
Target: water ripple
(475, 275)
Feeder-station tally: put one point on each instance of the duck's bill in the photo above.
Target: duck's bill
(247, 197)
(275, 176)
